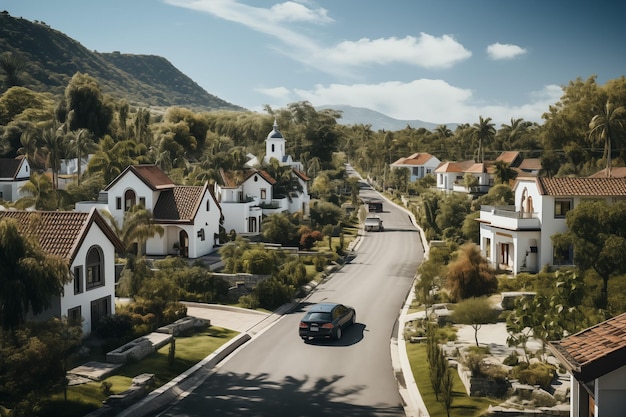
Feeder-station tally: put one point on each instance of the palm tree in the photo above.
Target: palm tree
(81, 144)
(137, 228)
(42, 194)
(442, 133)
(510, 133)
(503, 172)
(12, 66)
(604, 125)
(483, 132)
(52, 144)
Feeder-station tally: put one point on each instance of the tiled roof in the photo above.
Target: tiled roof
(582, 186)
(301, 175)
(530, 164)
(454, 166)
(59, 232)
(179, 203)
(595, 351)
(151, 175)
(508, 156)
(415, 159)
(233, 179)
(9, 168)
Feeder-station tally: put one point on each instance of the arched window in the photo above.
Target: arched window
(130, 199)
(95, 267)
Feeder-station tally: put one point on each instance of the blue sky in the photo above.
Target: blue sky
(439, 61)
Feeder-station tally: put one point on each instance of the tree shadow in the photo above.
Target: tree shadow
(237, 395)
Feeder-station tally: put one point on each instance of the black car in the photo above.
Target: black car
(326, 320)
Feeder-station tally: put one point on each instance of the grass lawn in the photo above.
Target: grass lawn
(84, 398)
(462, 404)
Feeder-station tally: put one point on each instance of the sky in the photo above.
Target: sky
(438, 61)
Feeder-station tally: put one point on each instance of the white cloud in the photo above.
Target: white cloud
(294, 12)
(280, 94)
(426, 51)
(499, 51)
(433, 101)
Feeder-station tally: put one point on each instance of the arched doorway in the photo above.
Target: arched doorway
(183, 244)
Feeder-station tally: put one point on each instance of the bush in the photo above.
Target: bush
(118, 326)
(537, 373)
(249, 301)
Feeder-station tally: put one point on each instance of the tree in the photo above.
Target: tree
(604, 127)
(86, 107)
(42, 196)
(137, 228)
(51, 141)
(483, 133)
(503, 172)
(474, 312)
(29, 277)
(470, 275)
(324, 213)
(80, 145)
(277, 228)
(597, 235)
(12, 66)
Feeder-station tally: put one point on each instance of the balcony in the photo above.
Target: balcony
(507, 218)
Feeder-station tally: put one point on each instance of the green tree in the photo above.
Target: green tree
(12, 67)
(474, 312)
(80, 144)
(51, 142)
(325, 213)
(503, 172)
(29, 277)
(231, 254)
(483, 133)
(604, 127)
(597, 235)
(86, 107)
(137, 228)
(470, 275)
(277, 228)
(42, 194)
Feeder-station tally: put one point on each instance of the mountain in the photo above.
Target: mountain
(358, 115)
(52, 58)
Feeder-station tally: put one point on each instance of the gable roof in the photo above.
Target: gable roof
(454, 167)
(530, 164)
(595, 351)
(151, 175)
(582, 186)
(510, 157)
(60, 233)
(415, 159)
(229, 179)
(10, 168)
(180, 203)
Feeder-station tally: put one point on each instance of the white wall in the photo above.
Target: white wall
(610, 394)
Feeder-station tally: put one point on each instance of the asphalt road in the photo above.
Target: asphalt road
(277, 374)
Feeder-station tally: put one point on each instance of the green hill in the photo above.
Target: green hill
(144, 80)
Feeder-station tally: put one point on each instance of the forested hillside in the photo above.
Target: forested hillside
(52, 58)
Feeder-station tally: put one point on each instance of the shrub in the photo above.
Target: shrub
(538, 373)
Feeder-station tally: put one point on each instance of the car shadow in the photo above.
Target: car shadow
(351, 336)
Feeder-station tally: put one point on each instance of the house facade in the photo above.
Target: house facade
(14, 173)
(451, 177)
(517, 238)
(189, 215)
(418, 164)
(88, 244)
(596, 360)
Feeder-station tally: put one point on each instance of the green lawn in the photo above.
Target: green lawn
(84, 398)
(462, 404)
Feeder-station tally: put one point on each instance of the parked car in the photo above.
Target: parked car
(326, 320)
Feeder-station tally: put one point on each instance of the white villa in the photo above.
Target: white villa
(190, 215)
(451, 176)
(246, 196)
(88, 244)
(14, 173)
(517, 238)
(418, 164)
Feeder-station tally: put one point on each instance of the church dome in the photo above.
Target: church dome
(275, 133)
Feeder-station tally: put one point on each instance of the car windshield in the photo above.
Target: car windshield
(318, 316)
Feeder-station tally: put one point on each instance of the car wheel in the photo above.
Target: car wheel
(338, 333)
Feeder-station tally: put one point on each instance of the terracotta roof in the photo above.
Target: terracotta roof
(60, 232)
(582, 186)
(151, 175)
(263, 174)
(530, 164)
(233, 179)
(455, 166)
(616, 172)
(415, 159)
(179, 203)
(301, 175)
(595, 351)
(477, 168)
(10, 167)
(508, 156)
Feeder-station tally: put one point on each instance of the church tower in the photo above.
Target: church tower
(275, 145)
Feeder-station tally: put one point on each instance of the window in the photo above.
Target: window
(208, 205)
(263, 193)
(129, 200)
(118, 203)
(74, 315)
(99, 309)
(562, 256)
(272, 147)
(142, 201)
(561, 207)
(78, 279)
(95, 268)
(201, 234)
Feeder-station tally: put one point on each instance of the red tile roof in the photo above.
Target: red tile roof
(178, 204)
(415, 159)
(59, 232)
(595, 351)
(582, 186)
(151, 175)
(508, 156)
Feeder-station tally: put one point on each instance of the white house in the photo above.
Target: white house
(418, 164)
(88, 244)
(190, 215)
(451, 176)
(595, 358)
(517, 238)
(14, 173)
(241, 195)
